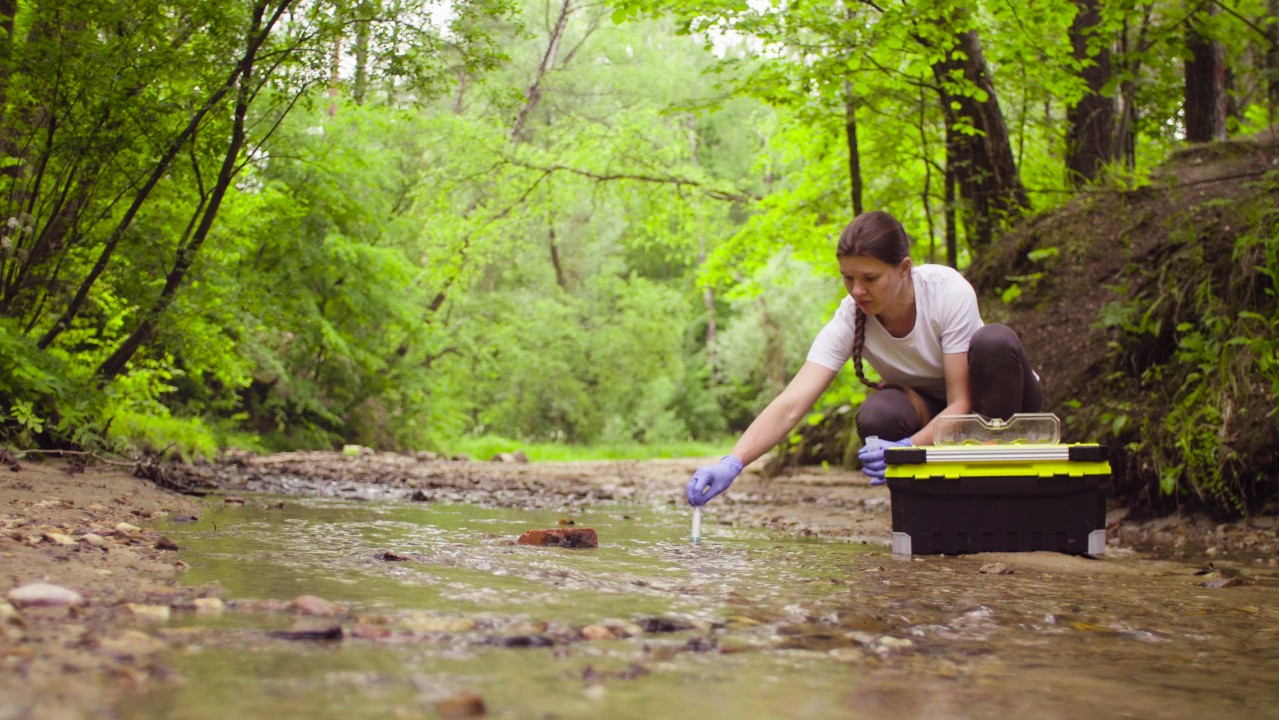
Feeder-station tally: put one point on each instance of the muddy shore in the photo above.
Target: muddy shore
(87, 530)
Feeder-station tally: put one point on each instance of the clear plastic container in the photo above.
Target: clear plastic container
(1020, 429)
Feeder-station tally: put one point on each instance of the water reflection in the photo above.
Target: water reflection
(775, 626)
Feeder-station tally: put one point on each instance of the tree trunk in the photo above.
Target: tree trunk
(360, 84)
(950, 181)
(533, 95)
(8, 10)
(1090, 140)
(854, 152)
(1272, 63)
(987, 174)
(1205, 83)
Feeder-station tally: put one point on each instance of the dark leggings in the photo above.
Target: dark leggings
(1000, 383)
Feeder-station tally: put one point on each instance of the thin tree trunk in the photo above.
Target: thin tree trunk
(533, 95)
(1272, 64)
(1205, 83)
(987, 174)
(8, 12)
(854, 151)
(1090, 139)
(950, 180)
(360, 84)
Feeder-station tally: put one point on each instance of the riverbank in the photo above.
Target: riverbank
(87, 530)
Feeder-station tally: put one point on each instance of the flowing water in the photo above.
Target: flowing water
(745, 625)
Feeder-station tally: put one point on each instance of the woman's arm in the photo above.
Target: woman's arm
(958, 401)
(786, 410)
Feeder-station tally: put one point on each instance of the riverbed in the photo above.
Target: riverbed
(371, 589)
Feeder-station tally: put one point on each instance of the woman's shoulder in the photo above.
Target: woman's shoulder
(946, 273)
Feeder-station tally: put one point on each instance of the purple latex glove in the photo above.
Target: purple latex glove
(873, 463)
(711, 480)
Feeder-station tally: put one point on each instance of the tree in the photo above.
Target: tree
(1090, 138)
(1205, 80)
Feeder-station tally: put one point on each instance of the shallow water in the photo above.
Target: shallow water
(776, 626)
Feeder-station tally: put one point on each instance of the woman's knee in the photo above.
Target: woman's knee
(994, 342)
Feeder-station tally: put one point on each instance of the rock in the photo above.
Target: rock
(392, 556)
(233, 500)
(209, 606)
(9, 615)
(425, 623)
(59, 539)
(132, 643)
(567, 521)
(186, 518)
(571, 538)
(999, 568)
(503, 458)
(597, 632)
(165, 543)
(892, 643)
(663, 625)
(461, 705)
(149, 613)
(44, 595)
(313, 605)
(426, 456)
(519, 456)
(127, 530)
(312, 629)
(94, 540)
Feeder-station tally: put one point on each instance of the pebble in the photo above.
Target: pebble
(59, 539)
(461, 705)
(94, 539)
(422, 622)
(125, 528)
(44, 595)
(209, 606)
(132, 643)
(313, 605)
(150, 613)
(893, 643)
(999, 568)
(597, 632)
(9, 615)
(165, 543)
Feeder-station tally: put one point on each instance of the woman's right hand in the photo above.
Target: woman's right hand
(711, 480)
(872, 459)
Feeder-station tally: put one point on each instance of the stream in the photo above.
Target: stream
(746, 624)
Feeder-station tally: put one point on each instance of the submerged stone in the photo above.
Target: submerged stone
(312, 605)
(565, 538)
(461, 705)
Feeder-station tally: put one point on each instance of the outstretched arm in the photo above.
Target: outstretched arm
(784, 412)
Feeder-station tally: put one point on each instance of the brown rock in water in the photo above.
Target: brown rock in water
(165, 543)
(566, 538)
(312, 605)
(461, 705)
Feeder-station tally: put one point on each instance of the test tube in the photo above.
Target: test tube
(697, 524)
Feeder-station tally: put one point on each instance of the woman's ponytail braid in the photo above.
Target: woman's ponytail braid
(859, 342)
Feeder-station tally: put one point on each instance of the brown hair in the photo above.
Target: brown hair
(879, 235)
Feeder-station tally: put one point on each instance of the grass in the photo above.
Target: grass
(485, 447)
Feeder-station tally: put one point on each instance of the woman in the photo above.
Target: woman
(920, 328)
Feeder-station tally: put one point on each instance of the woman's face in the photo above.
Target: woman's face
(872, 283)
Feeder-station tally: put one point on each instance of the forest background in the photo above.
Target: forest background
(483, 225)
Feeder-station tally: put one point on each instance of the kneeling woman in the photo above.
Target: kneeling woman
(920, 328)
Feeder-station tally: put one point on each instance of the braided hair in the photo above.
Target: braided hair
(879, 235)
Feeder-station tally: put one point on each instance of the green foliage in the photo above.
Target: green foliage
(1206, 354)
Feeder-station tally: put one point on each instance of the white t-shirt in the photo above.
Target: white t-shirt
(946, 316)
